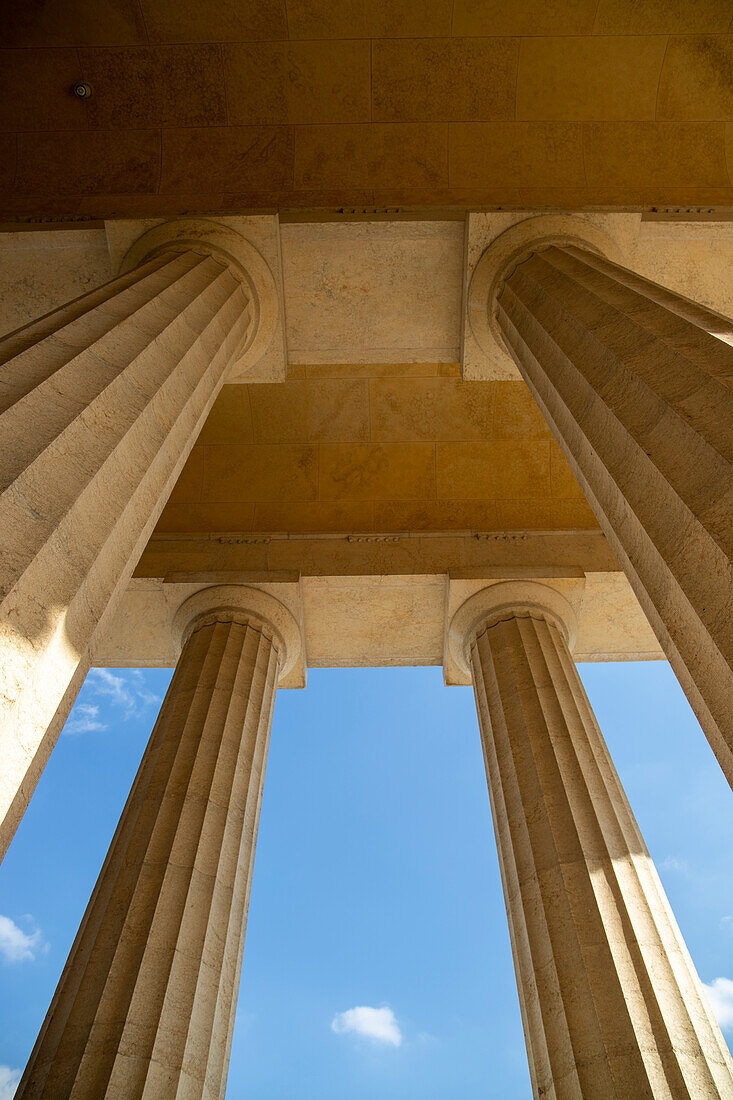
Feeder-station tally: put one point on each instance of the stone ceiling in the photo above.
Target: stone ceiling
(375, 449)
(367, 485)
(211, 106)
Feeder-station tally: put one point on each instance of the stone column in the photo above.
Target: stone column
(611, 1003)
(145, 1005)
(100, 404)
(637, 385)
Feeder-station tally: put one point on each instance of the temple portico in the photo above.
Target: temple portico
(497, 443)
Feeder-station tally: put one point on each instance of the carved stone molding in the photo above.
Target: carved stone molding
(484, 353)
(501, 601)
(232, 602)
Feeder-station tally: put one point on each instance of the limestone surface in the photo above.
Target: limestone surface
(637, 385)
(376, 106)
(611, 1003)
(100, 404)
(146, 1002)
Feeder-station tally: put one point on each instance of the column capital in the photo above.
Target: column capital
(240, 603)
(505, 600)
(510, 248)
(244, 260)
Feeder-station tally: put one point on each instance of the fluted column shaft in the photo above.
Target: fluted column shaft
(637, 385)
(611, 1003)
(145, 1005)
(100, 404)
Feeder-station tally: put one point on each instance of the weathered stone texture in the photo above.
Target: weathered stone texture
(100, 403)
(145, 1005)
(637, 385)
(611, 1003)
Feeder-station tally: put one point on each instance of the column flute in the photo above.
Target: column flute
(145, 1005)
(100, 404)
(636, 383)
(611, 1003)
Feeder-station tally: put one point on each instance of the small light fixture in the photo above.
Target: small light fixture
(82, 90)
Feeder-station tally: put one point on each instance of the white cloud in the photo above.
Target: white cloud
(126, 691)
(9, 1081)
(672, 863)
(84, 718)
(720, 995)
(148, 697)
(378, 1024)
(104, 682)
(17, 945)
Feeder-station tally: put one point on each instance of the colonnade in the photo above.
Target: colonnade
(102, 401)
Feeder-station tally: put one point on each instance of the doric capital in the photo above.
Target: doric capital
(223, 242)
(239, 603)
(506, 600)
(515, 244)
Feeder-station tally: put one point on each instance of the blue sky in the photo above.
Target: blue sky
(377, 960)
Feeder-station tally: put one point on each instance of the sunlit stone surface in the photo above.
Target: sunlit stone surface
(145, 1005)
(611, 1003)
(636, 384)
(102, 401)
